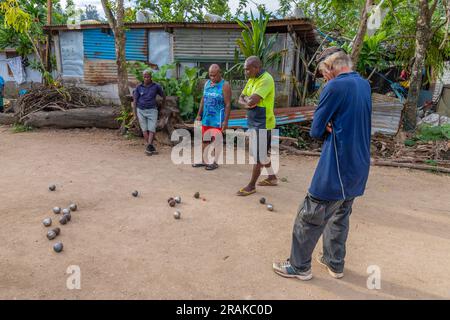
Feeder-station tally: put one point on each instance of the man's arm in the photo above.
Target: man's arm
(163, 96)
(227, 99)
(329, 103)
(200, 110)
(134, 102)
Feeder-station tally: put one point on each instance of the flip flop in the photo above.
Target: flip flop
(197, 165)
(244, 193)
(212, 166)
(267, 183)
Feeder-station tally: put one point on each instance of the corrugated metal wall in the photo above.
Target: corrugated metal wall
(71, 53)
(102, 72)
(205, 45)
(99, 44)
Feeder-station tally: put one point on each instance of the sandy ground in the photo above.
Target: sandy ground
(222, 248)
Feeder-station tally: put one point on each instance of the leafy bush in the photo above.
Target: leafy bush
(433, 133)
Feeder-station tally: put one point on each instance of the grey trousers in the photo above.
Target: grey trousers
(314, 218)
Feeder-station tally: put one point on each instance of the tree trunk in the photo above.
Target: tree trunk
(102, 117)
(423, 37)
(117, 25)
(7, 118)
(358, 42)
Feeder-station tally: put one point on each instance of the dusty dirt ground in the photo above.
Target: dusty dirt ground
(222, 248)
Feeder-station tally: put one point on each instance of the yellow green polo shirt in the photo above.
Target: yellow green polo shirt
(262, 116)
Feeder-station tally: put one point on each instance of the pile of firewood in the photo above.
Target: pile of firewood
(45, 98)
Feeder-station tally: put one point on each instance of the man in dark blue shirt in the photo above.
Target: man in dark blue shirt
(145, 108)
(343, 120)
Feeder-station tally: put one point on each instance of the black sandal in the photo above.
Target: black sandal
(197, 165)
(212, 166)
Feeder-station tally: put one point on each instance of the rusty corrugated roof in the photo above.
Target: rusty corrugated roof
(304, 27)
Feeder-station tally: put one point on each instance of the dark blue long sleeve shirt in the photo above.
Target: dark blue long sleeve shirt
(343, 167)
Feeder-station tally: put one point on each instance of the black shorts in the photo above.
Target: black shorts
(260, 144)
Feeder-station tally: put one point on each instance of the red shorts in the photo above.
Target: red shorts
(214, 131)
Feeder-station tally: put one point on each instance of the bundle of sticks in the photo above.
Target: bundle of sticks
(45, 98)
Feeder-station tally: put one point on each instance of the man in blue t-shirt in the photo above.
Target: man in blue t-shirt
(2, 92)
(146, 108)
(343, 120)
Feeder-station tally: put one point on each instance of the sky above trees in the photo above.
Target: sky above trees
(233, 4)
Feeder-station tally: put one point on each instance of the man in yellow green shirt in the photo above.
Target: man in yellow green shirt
(258, 97)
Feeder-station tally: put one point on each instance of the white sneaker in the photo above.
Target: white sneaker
(286, 270)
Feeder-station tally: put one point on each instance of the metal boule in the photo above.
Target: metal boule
(58, 247)
(51, 235)
(63, 219)
(47, 222)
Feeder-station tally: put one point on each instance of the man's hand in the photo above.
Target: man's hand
(329, 128)
(199, 118)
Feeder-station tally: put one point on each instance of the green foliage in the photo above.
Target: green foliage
(373, 54)
(253, 42)
(18, 127)
(186, 87)
(185, 10)
(293, 131)
(433, 133)
(126, 118)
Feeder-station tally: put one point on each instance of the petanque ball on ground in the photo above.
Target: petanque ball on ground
(269, 207)
(172, 203)
(68, 216)
(177, 215)
(178, 199)
(58, 247)
(73, 207)
(197, 195)
(56, 230)
(57, 210)
(52, 187)
(262, 200)
(135, 193)
(63, 219)
(170, 199)
(47, 222)
(51, 235)
(65, 211)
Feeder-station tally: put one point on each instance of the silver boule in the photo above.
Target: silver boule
(178, 199)
(177, 214)
(58, 247)
(68, 216)
(63, 219)
(66, 211)
(52, 187)
(269, 207)
(73, 207)
(51, 235)
(47, 222)
(56, 210)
